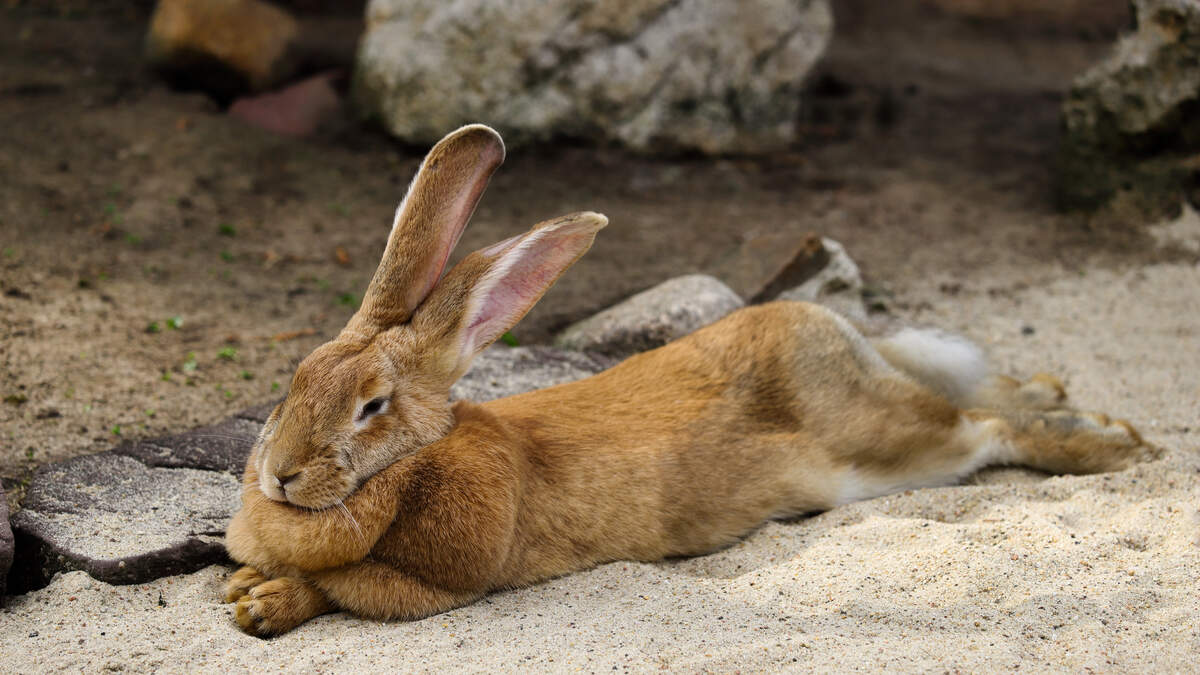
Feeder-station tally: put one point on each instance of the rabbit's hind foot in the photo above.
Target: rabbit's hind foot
(1068, 441)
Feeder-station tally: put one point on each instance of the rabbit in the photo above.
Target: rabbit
(369, 492)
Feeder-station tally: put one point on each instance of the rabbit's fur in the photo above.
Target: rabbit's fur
(369, 492)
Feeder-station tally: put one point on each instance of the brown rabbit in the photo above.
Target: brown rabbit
(369, 492)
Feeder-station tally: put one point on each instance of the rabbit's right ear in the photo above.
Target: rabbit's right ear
(489, 291)
(428, 224)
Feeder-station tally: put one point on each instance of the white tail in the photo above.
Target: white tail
(949, 364)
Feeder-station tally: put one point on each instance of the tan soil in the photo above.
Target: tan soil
(116, 192)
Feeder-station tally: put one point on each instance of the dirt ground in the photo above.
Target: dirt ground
(163, 265)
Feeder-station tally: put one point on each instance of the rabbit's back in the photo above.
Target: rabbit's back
(685, 448)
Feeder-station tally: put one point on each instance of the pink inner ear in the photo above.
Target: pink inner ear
(526, 271)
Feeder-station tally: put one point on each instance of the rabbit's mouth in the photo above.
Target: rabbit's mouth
(318, 485)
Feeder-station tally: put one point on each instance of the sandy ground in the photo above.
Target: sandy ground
(1014, 570)
(111, 214)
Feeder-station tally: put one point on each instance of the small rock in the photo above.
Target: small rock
(297, 110)
(1182, 232)
(838, 286)
(223, 47)
(6, 541)
(120, 521)
(768, 264)
(506, 371)
(653, 317)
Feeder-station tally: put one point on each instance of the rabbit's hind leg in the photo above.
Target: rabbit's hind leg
(932, 454)
(937, 455)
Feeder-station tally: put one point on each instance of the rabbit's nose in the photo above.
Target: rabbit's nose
(282, 482)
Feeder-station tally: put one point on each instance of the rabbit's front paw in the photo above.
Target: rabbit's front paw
(240, 583)
(279, 605)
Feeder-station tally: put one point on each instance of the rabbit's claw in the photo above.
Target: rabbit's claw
(240, 583)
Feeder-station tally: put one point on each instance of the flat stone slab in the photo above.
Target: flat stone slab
(6, 540)
(159, 507)
(223, 446)
(120, 521)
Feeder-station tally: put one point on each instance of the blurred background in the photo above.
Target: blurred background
(193, 194)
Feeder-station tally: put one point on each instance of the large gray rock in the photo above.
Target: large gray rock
(505, 371)
(1132, 122)
(6, 541)
(707, 75)
(653, 317)
(120, 521)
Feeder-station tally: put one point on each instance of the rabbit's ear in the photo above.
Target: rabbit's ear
(489, 291)
(428, 224)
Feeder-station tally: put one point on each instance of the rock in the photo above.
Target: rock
(6, 541)
(1181, 233)
(700, 75)
(653, 317)
(1132, 122)
(767, 264)
(505, 371)
(297, 110)
(838, 286)
(120, 521)
(223, 446)
(223, 47)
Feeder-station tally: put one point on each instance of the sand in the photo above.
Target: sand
(1014, 570)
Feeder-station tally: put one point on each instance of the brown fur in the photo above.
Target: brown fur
(776, 410)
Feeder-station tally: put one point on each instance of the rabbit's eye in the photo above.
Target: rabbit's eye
(372, 407)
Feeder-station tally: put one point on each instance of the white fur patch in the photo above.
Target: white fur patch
(950, 364)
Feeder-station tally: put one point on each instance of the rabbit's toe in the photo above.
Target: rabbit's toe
(240, 583)
(1044, 391)
(1115, 443)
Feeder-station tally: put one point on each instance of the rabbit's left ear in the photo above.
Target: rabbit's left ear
(428, 224)
(490, 290)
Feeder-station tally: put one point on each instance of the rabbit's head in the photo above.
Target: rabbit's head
(380, 390)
